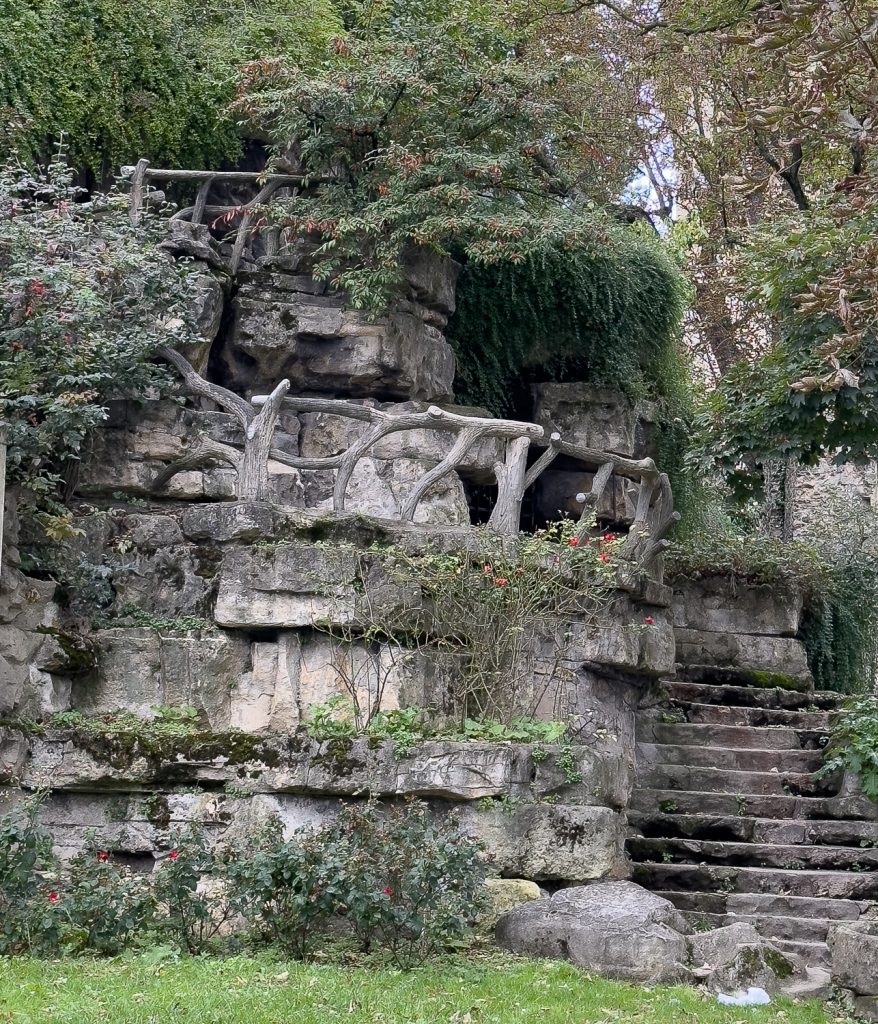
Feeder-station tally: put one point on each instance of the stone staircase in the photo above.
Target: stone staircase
(728, 822)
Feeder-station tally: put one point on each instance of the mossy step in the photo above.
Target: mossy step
(847, 885)
(739, 737)
(733, 758)
(765, 905)
(815, 954)
(757, 717)
(789, 857)
(783, 831)
(750, 696)
(725, 780)
(673, 801)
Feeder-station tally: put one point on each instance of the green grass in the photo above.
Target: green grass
(477, 988)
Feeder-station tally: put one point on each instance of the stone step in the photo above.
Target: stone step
(735, 759)
(739, 737)
(788, 929)
(674, 801)
(815, 954)
(724, 780)
(759, 717)
(750, 696)
(784, 831)
(763, 905)
(723, 878)
(788, 857)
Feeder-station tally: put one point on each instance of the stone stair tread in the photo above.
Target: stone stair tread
(729, 780)
(789, 857)
(772, 926)
(815, 954)
(750, 828)
(777, 806)
(848, 885)
(767, 905)
(753, 717)
(733, 758)
(736, 737)
(749, 696)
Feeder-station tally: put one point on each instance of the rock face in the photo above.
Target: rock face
(616, 929)
(506, 894)
(737, 957)
(288, 325)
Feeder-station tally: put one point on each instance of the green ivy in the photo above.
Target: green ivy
(607, 312)
(854, 743)
(124, 80)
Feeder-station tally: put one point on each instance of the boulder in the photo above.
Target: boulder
(505, 894)
(717, 605)
(596, 417)
(854, 949)
(616, 929)
(736, 957)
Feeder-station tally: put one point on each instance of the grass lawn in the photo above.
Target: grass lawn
(476, 988)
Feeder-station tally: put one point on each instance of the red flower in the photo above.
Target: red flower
(388, 891)
(604, 557)
(53, 897)
(500, 581)
(37, 287)
(173, 855)
(609, 536)
(103, 856)
(573, 542)
(649, 620)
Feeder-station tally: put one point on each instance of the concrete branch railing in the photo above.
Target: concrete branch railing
(648, 490)
(141, 175)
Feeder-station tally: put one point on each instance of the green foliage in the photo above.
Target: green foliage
(106, 908)
(853, 746)
(813, 393)
(568, 767)
(28, 921)
(190, 911)
(607, 311)
(125, 80)
(433, 132)
(83, 301)
(166, 723)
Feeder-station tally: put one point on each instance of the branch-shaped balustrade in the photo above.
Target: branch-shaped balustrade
(648, 489)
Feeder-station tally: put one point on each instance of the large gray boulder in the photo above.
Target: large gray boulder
(616, 929)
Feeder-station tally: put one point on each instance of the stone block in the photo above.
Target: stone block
(737, 957)
(716, 606)
(505, 894)
(854, 949)
(777, 655)
(597, 418)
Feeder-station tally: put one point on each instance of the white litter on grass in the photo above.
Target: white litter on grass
(748, 997)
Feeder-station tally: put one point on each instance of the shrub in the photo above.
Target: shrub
(414, 883)
(29, 919)
(105, 906)
(190, 890)
(289, 889)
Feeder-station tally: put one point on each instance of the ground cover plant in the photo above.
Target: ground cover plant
(476, 988)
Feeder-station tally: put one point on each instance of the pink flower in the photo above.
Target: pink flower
(649, 620)
(388, 891)
(53, 897)
(103, 857)
(486, 569)
(500, 581)
(573, 542)
(609, 537)
(604, 557)
(173, 855)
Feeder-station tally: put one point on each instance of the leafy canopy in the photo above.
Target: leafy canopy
(436, 133)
